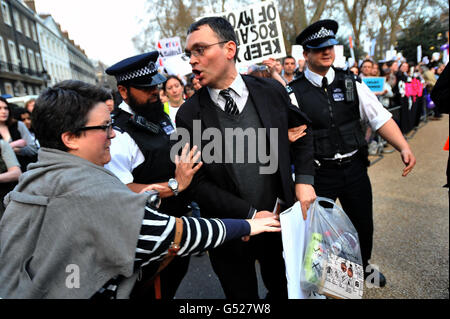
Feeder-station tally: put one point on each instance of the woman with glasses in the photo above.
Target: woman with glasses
(17, 135)
(72, 229)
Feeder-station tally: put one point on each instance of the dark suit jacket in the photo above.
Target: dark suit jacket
(214, 186)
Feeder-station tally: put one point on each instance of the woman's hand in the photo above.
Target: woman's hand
(269, 224)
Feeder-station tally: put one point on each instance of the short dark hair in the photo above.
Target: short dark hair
(289, 57)
(18, 113)
(221, 27)
(64, 108)
(367, 61)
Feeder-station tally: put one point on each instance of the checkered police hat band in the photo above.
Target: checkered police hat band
(147, 70)
(322, 33)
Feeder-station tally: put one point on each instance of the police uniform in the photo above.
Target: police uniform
(140, 152)
(337, 104)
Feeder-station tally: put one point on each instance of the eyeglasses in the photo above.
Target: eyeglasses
(198, 51)
(107, 128)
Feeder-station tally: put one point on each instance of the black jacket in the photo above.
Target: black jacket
(214, 186)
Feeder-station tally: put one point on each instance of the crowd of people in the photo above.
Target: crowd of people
(109, 196)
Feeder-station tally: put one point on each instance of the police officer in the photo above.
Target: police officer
(336, 103)
(140, 153)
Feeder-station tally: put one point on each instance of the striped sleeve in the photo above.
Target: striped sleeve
(158, 231)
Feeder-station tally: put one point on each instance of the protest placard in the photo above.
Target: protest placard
(168, 47)
(375, 84)
(419, 53)
(177, 65)
(339, 60)
(297, 52)
(258, 31)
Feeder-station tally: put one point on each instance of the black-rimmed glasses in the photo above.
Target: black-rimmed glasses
(107, 128)
(198, 51)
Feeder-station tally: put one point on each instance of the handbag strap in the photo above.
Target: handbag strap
(155, 280)
(174, 247)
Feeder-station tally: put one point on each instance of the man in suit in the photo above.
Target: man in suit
(249, 188)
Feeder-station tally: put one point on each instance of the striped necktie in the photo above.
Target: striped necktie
(230, 104)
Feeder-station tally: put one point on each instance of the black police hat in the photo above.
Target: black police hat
(318, 35)
(139, 71)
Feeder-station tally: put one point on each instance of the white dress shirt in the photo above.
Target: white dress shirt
(239, 92)
(125, 153)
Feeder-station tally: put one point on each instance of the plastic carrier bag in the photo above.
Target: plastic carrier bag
(332, 263)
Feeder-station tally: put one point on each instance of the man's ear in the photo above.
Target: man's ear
(70, 140)
(232, 49)
(305, 55)
(123, 92)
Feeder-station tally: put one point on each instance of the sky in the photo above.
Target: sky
(103, 28)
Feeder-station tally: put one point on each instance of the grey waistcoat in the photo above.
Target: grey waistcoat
(260, 190)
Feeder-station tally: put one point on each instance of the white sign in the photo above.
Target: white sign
(419, 53)
(258, 31)
(340, 59)
(169, 47)
(297, 52)
(177, 65)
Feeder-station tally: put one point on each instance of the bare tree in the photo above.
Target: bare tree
(393, 16)
(166, 19)
(296, 15)
(354, 11)
(171, 18)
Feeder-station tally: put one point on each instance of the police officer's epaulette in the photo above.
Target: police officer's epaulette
(348, 73)
(114, 116)
(115, 127)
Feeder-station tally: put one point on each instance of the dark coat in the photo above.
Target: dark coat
(214, 186)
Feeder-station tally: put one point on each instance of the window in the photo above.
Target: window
(52, 72)
(33, 32)
(13, 52)
(3, 57)
(5, 13)
(39, 62)
(17, 21)
(23, 56)
(26, 26)
(32, 59)
(9, 89)
(30, 90)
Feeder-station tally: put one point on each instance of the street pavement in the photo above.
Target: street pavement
(411, 218)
